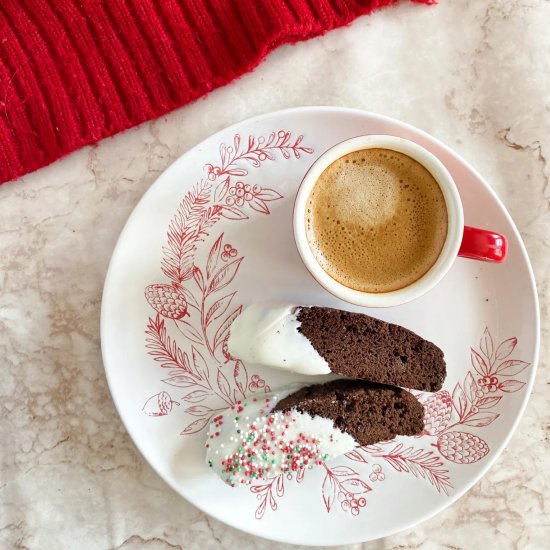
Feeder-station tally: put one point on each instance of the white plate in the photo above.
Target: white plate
(166, 382)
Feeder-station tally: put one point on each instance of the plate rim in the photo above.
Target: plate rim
(355, 113)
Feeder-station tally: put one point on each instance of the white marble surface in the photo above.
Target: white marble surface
(474, 73)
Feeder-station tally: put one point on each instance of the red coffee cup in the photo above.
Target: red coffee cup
(467, 242)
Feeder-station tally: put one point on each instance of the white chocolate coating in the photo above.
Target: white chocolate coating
(248, 443)
(267, 334)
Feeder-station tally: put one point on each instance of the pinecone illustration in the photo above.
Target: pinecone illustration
(462, 447)
(437, 412)
(168, 300)
(159, 404)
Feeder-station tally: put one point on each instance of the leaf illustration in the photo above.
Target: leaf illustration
(241, 377)
(343, 471)
(162, 348)
(355, 486)
(201, 368)
(506, 348)
(184, 360)
(260, 511)
(355, 455)
(459, 400)
(187, 266)
(190, 332)
(196, 396)
(479, 363)
(237, 142)
(470, 387)
(232, 213)
(488, 402)
(329, 491)
(268, 195)
(219, 308)
(213, 257)
(223, 153)
(181, 381)
(258, 205)
(420, 463)
(196, 426)
(221, 190)
(397, 449)
(272, 501)
(481, 419)
(253, 160)
(191, 300)
(236, 171)
(284, 138)
(223, 331)
(511, 386)
(198, 410)
(223, 384)
(280, 487)
(184, 230)
(511, 367)
(224, 276)
(199, 279)
(486, 344)
(259, 489)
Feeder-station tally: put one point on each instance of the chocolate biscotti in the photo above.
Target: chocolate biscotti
(321, 340)
(370, 413)
(290, 430)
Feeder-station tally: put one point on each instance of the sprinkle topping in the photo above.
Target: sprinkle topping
(256, 445)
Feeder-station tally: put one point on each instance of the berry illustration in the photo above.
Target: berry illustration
(256, 383)
(228, 252)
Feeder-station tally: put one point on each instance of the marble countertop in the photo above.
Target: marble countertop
(474, 74)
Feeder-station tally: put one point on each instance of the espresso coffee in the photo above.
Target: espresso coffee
(376, 220)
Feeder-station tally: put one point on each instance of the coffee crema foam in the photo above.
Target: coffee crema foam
(376, 220)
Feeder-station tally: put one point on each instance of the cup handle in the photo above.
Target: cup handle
(479, 244)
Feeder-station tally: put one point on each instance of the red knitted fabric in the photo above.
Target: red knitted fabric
(75, 71)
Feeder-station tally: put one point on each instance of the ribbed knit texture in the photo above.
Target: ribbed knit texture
(75, 71)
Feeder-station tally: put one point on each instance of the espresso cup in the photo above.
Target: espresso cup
(467, 242)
